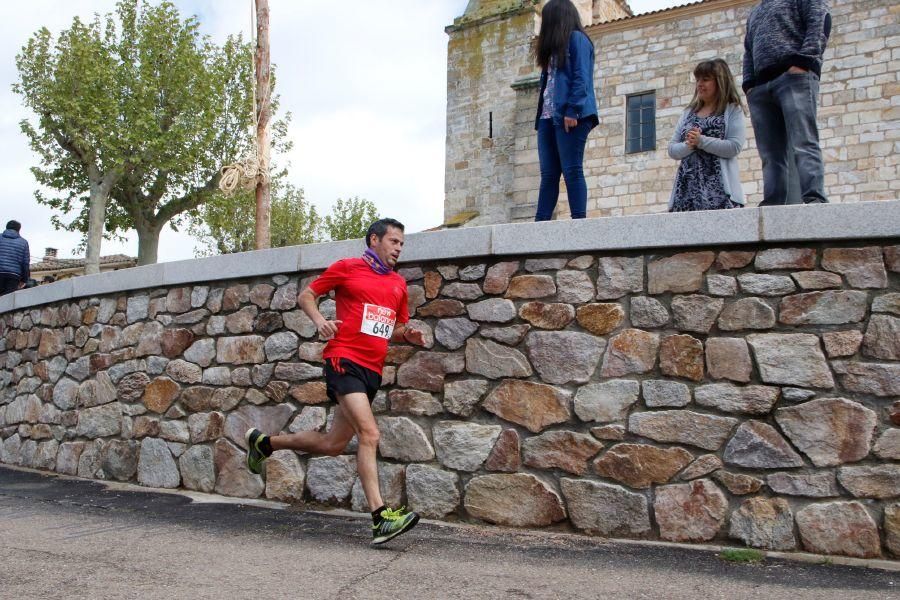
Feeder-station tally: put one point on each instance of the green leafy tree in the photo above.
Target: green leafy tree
(349, 219)
(139, 108)
(226, 224)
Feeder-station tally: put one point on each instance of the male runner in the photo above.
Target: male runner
(371, 309)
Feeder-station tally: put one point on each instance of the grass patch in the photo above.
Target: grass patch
(742, 555)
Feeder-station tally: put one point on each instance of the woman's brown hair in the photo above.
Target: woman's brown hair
(727, 92)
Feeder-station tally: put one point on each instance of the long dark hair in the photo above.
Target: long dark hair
(559, 19)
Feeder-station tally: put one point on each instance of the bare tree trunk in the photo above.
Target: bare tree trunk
(148, 244)
(263, 201)
(96, 220)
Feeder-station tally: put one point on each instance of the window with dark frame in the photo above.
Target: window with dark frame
(640, 122)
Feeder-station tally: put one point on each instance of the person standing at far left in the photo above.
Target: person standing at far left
(14, 259)
(567, 107)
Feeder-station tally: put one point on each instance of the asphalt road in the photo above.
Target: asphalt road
(66, 538)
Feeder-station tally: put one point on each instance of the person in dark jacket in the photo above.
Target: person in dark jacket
(14, 259)
(567, 107)
(783, 47)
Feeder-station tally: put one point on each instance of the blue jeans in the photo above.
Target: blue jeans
(562, 153)
(783, 113)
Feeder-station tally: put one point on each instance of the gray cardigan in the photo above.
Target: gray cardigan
(727, 150)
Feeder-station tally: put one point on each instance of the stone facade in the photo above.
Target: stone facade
(490, 75)
(754, 407)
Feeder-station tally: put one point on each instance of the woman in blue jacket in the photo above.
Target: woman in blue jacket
(567, 107)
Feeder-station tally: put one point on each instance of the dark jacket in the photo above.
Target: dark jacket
(574, 92)
(782, 34)
(14, 255)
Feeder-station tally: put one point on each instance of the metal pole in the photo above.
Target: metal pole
(263, 200)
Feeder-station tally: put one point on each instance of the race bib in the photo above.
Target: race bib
(378, 321)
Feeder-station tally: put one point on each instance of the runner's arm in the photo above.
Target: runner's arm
(308, 301)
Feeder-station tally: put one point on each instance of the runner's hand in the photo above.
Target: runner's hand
(569, 123)
(328, 329)
(414, 336)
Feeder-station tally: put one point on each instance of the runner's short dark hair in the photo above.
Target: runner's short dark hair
(380, 227)
(14, 225)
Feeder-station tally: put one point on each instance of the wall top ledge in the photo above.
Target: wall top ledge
(777, 224)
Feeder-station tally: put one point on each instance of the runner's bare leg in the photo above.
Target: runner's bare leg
(331, 443)
(358, 411)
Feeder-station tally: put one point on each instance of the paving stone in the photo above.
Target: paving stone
(600, 319)
(630, 351)
(682, 427)
(664, 393)
(791, 359)
(823, 308)
(563, 356)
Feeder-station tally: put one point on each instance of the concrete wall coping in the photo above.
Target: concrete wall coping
(779, 224)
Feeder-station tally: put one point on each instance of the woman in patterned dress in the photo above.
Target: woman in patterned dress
(708, 138)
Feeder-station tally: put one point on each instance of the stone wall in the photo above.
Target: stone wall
(743, 393)
(858, 115)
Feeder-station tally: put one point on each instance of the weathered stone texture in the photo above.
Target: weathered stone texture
(746, 313)
(606, 402)
(785, 258)
(531, 287)
(680, 273)
(505, 455)
(330, 478)
(403, 439)
(823, 308)
(842, 343)
(663, 393)
(831, 431)
(728, 358)
(839, 528)
(696, 312)
(648, 312)
(690, 512)
(565, 356)
(683, 427)
(882, 339)
(534, 406)
(433, 493)
(681, 356)
(811, 485)
(463, 446)
(618, 276)
(547, 316)
(759, 445)
(640, 465)
(564, 450)
(875, 481)
(863, 267)
(607, 510)
(766, 523)
(791, 359)
(631, 351)
(749, 400)
(517, 500)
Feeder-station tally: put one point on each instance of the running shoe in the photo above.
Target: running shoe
(392, 524)
(255, 455)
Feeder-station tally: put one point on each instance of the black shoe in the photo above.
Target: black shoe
(255, 455)
(392, 524)
(815, 201)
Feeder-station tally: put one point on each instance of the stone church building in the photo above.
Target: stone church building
(644, 63)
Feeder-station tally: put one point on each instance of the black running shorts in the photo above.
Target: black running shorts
(343, 376)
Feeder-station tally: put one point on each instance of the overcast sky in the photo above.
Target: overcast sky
(364, 79)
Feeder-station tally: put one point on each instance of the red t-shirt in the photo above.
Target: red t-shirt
(361, 292)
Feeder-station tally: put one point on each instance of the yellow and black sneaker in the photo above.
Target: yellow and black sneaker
(392, 523)
(258, 449)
